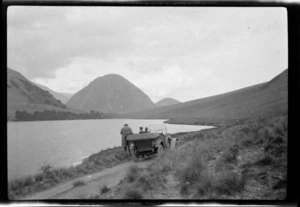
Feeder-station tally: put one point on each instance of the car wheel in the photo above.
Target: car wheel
(133, 153)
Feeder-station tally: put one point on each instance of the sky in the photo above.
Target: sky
(184, 53)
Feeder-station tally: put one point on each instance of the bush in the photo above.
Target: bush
(78, 183)
(192, 173)
(132, 194)
(132, 173)
(266, 160)
(184, 189)
(205, 186)
(222, 166)
(280, 184)
(230, 155)
(230, 182)
(104, 189)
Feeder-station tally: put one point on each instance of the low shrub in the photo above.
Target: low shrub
(132, 173)
(205, 186)
(280, 184)
(104, 189)
(184, 189)
(230, 182)
(231, 154)
(266, 160)
(78, 183)
(192, 173)
(222, 166)
(151, 178)
(132, 194)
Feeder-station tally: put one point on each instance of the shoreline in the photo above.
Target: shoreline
(73, 161)
(50, 176)
(110, 157)
(216, 144)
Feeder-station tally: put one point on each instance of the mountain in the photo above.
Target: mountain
(254, 101)
(111, 94)
(166, 102)
(24, 95)
(68, 95)
(63, 97)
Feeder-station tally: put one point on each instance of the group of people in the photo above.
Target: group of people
(143, 132)
(126, 130)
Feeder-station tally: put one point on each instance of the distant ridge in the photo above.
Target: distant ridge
(22, 94)
(167, 102)
(63, 97)
(110, 94)
(252, 101)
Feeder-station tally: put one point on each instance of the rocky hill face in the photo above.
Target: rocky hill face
(166, 102)
(24, 95)
(110, 94)
(63, 97)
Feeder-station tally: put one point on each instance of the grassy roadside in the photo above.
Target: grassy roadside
(243, 161)
(222, 122)
(246, 161)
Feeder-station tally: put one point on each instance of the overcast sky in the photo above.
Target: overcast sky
(181, 52)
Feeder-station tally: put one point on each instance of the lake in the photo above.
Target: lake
(68, 142)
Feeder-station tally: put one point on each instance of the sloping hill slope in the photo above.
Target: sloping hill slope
(63, 97)
(68, 95)
(167, 102)
(111, 94)
(23, 95)
(260, 99)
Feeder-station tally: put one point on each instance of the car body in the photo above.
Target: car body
(146, 144)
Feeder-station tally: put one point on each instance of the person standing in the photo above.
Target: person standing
(126, 130)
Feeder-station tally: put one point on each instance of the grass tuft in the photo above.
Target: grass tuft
(78, 183)
(266, 160)
(104, 189)
(192, 173)
(132, 194)
(230, 183)
(132, 173)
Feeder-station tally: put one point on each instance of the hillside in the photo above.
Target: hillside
(63, 97)
(166, 102)
(23, 95)
(68, 95)
(110, 94)
(253, 101)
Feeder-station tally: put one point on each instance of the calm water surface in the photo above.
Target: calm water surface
(65, 143)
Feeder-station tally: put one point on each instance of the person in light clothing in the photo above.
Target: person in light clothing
(172, 142)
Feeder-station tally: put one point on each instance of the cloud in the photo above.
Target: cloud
(189, 52)
(166, 83)
(42, 40)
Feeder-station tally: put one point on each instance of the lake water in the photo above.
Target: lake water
(68, 142)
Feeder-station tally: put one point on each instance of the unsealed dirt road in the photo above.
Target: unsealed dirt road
(93, 182)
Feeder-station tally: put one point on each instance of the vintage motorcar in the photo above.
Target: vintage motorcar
(147, 144)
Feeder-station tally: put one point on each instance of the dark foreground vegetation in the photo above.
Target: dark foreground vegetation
(243, 161)
(247, 161)
(57, 115)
